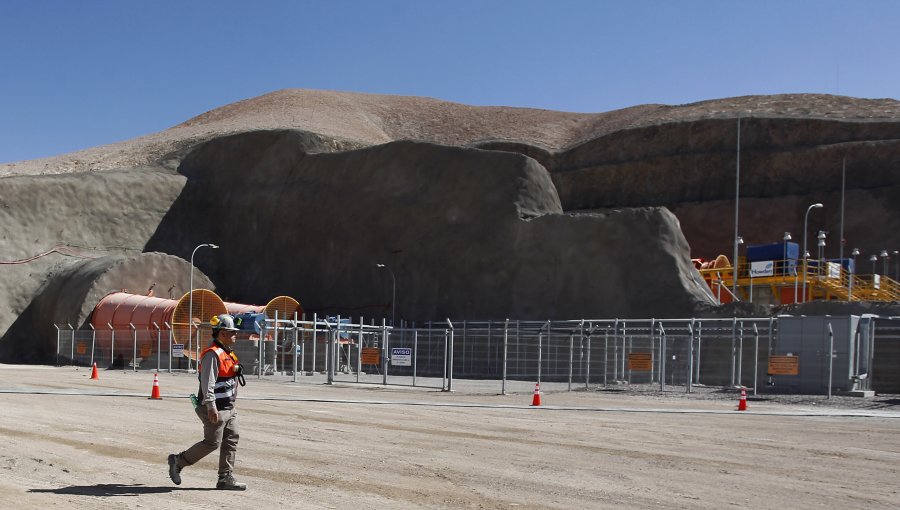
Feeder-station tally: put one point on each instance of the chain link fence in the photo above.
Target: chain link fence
(671, 354)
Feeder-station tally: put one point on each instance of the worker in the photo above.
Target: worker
(220, 374)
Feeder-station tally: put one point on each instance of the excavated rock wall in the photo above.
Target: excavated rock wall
(73, 288)
(467, 233)
(786, 164)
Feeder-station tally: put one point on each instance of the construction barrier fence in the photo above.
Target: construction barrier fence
(669, 354)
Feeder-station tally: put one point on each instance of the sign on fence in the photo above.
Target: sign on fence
(401, 356)
(177, 350)
(81, 348)
(146, 350)
(640, 361)
(784, 365)
(371, 356)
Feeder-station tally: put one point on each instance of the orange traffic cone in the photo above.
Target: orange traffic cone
(94, 372)
(154, 395)
(536, 401)
(742, 404)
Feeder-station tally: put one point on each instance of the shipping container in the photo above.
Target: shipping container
(774, 251)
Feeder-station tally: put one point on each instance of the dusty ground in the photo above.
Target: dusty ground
(72, 442)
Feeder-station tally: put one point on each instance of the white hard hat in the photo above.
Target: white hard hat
(223, 321)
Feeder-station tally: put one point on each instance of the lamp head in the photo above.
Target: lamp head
(817, 205)
(787, 236)
(379, 265)
(884, 253)
(855, 252)
(873, 258)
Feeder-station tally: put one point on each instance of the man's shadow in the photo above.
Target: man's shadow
(116, 489)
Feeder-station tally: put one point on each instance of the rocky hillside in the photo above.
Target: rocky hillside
(482, 212)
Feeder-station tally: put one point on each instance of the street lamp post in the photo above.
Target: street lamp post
(853, 254)
(784, 262)
(805, 223)
(820, 269)
(897, 263)
(884, 258)
(191, 297)
(393, 292)
(873, 259)
(737, 198)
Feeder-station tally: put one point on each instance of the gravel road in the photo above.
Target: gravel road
(69, 441)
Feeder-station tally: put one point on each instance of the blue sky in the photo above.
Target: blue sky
(77, 74)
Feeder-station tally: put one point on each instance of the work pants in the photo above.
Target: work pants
(222, 435)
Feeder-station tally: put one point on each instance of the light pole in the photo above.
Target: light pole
(784, 261)
(884, 258)
(191, 295)
(873, 259)
(737, 242)
(820, 269)
(853, 254)
(897, 262)
(805, 222)
(737, 198)
(393, 292)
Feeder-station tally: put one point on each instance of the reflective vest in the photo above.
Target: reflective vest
(225, 388)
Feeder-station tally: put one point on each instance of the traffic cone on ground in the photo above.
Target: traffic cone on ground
(536, 401)
(154, 395)
(94, 372)
(742, 405)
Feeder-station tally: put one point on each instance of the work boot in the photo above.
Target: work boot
(228, 483)
(174, 470)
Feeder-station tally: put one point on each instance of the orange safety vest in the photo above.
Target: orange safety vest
(225, 388)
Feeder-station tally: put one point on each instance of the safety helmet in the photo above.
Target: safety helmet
(223, 321)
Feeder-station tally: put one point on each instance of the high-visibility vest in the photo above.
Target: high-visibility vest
(225, 388)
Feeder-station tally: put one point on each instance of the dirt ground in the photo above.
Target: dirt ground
(69, 441)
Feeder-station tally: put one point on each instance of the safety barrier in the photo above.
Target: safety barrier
(666, 354)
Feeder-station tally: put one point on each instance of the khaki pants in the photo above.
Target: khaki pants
(222, 435)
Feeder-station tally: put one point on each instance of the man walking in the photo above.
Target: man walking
(219, 376)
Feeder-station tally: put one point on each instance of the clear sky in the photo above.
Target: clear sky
(77, 74)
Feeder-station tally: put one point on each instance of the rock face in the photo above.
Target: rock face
(480, 212)
(74, 287)
(466, 232)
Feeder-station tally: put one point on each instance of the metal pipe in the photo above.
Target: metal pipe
(158, 346)
(830, 357)
(449, 361)
(93, 341)
(587, 373)
(58, 342)
(315, 339)
(386, 343)
(169, 328)
(112, 344)
(662, 357)
(571, 357)
(690, 370)
(505, 352)
(134, 343)
(294, 349)
(755, 358)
